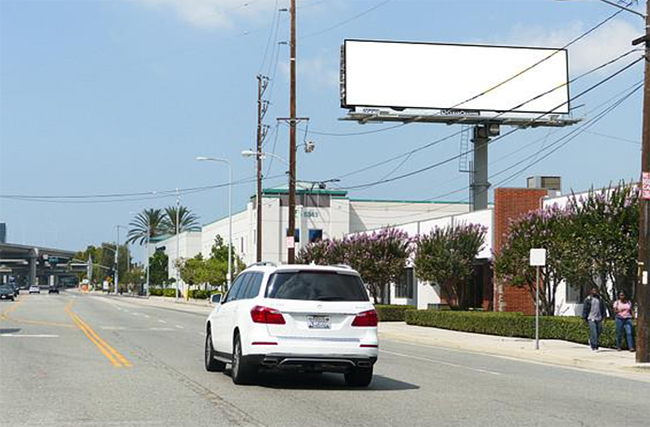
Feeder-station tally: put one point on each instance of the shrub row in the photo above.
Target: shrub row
(160, 292)
(392, 313)
(170, 292)
(512, 325)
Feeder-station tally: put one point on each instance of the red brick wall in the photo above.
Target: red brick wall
(510, 204)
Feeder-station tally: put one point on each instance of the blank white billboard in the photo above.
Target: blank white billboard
(452, 76)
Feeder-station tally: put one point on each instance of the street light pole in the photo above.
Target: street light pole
(227, 163)
(176, 267)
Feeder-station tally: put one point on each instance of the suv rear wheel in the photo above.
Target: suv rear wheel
(211, 364)
(242, 371)
(359, 377)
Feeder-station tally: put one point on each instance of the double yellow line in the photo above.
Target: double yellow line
(111, 354)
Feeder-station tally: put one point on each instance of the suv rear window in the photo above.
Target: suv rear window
(316, 286)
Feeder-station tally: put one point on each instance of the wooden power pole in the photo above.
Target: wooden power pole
(642, 289)
(291, 232)
(262, 82)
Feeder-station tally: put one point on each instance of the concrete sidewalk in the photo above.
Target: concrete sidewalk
(553, 352)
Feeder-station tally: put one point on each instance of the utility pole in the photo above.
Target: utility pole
(291, 232)
(642, 289)
(117, 257)
(262, 106)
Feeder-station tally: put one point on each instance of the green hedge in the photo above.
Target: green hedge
(159, 292)
(512, 325)
(392, 313)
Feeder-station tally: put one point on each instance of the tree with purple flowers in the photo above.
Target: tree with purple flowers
(550, 228)
(446, 257)
(606, 243)
(379, 257)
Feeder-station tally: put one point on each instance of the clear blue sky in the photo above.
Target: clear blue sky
(120, 96)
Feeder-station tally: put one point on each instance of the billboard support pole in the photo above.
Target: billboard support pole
(480, 184)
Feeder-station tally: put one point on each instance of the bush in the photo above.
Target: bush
(572, 329)
(201, 293)
(392, 313)
(155, 292)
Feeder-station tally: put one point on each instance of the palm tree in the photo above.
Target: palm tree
(146, 225)
(187, 221)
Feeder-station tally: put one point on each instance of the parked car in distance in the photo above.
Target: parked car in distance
(300, 318)
(7, 292)
(34, 289)
(53, 290)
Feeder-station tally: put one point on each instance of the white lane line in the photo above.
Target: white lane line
(160, 329)
(439, 362)
(29, 336)
(180, 327)
(162, 321)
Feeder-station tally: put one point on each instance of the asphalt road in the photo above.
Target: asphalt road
(79, 360)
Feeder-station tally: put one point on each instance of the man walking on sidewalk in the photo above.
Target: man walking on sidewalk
(594, 312)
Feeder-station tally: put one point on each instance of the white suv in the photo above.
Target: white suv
(305, 318)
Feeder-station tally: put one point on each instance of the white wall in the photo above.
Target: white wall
(371, 215)
(189, 245)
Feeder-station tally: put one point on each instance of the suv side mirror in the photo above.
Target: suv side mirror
(215, 298)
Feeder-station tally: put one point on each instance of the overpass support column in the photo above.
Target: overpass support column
(31, 271)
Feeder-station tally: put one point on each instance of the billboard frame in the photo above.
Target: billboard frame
(343, 77)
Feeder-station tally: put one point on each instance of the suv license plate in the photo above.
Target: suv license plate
(318, 322)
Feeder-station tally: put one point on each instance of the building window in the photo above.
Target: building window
(406, 284)
(315, 236)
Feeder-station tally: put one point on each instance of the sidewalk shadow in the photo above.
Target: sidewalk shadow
(328, 381)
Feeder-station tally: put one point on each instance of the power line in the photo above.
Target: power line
(117, 197)
(617, 99)
(346, 21)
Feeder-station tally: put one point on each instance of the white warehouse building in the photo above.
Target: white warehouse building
(320, 214)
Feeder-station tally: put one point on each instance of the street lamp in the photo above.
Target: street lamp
(251, 153)
(227, 163)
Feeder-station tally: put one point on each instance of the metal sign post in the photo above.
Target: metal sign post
(537, 259)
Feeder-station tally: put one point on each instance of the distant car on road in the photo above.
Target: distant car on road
(34, 289)
(53, 290)
(300, 318)
(7, 292)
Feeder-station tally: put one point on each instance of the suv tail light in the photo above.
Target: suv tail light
(366, 318)
(266, 315)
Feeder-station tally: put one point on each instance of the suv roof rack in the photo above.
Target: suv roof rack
(263, 263)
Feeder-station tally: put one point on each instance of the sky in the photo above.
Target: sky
(102, 97)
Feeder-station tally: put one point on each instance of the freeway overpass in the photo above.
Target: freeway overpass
(35, 264)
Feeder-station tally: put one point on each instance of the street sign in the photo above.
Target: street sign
(645, 186)
(538, 257)
(290, 242)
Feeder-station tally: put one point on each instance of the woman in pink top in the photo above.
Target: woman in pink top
(623, 309)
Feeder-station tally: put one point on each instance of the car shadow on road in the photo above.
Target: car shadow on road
(9, 330)
(326, 381)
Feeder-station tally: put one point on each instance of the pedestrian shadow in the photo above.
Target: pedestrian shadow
(9, 330)
(327, 381)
